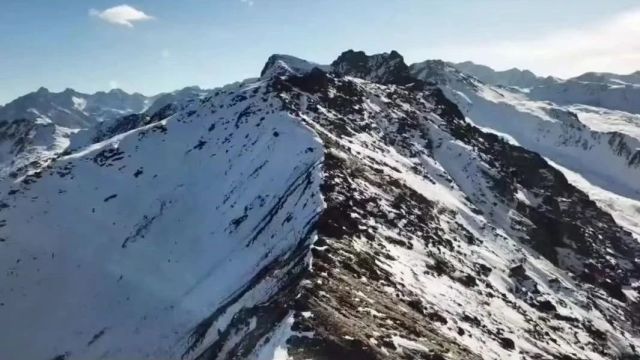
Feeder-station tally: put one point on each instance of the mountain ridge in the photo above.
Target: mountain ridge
(506, 77)
(363, 210)
(73, 109)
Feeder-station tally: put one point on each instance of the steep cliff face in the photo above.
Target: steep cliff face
(347, 211)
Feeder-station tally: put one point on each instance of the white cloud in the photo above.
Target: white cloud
(248, 2)
(121, 15)
(612, 45)
(166, 53)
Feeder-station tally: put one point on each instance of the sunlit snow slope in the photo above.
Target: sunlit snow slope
(597, 149)
(118, 250)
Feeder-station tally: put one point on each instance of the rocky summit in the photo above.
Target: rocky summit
(366, 209)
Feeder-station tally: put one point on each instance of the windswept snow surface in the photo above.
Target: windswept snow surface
(118, 250)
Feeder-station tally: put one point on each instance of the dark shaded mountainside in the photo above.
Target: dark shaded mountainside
(347, 211)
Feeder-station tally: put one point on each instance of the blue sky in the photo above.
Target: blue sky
(74, 43)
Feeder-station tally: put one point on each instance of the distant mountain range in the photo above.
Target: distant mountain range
(607, 90)
(512, 77)
(363, 209)
(39, 125)
(527, 79)
(73, 109)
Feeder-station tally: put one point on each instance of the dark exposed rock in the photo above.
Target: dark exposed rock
(545, 306)
(61, 356)
(97, 336)
(507, 343)
(518, 271)
(387, 68)
(110, 197)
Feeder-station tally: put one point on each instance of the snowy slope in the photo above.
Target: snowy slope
(154, 229)
(30, 140)
(37, 127)
(580, 142)
(603, 90)
(622, 97)
(443, 239)
(605, 120)
(164, 105)
(343, 211)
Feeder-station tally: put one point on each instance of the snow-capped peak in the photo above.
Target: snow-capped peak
(282, 64)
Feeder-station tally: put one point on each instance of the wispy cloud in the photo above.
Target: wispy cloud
(124, 15)
(611, 45)
(248, 2)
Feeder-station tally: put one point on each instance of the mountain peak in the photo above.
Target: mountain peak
(72, 109)
(281, 63)
(384, 68)
(117, 91)
(432, 70)
(511, 77)
(70, 91)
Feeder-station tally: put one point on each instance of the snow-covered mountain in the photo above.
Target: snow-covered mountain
(512, 77)
(163, 106)
(37, 126)
(27, 144)
(42, 124)
(603, 90)
(621, 97)
(72, 109)
(577, 138)
(365, 209)
(610, 78)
